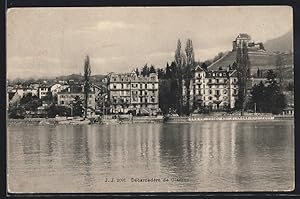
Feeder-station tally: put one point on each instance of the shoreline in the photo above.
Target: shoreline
(139, 120)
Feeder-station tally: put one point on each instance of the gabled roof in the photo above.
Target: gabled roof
(233, 73)
(199, 68)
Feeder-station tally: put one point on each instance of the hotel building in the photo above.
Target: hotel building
(215, 89)
(134, 93)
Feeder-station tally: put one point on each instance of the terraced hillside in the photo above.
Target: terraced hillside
(258, 59)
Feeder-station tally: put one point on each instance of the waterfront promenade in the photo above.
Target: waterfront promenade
(145, 119)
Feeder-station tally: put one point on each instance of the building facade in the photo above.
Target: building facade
(217, 90)
(66, 98)
(245, 38)
(133, 93)
(43, 90)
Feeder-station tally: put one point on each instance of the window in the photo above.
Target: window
(209, 81)
(145, 86)
(146, 100)
(141, 85)
(217, 81)
(122, 86)
(225, 92)
(217, 92)
(210, 92)
(115, 86)
(141, 92)
(210, 98)
(62, 102)
(146, 93)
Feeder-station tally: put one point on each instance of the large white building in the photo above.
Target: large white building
(214, 89)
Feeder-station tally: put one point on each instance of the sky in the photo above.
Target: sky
(49, 42)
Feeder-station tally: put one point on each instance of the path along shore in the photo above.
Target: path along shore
(144, 119)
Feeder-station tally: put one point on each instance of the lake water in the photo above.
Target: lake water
(207, 156)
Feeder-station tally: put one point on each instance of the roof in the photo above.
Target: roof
(199, 68)
(258, 59)
(244, 35)
(233, 73)
(11, 95)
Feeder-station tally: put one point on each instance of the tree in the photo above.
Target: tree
(161, 73)
(145, 70)
(261, 46)
(280, 70)
(137, 72)
(87, 74)
(243, 72)
(16, 112)
(187, 72)
(77, 107)
(268, 98)
(54, 110)
(179, 56)
(168, 71)
(152, 69)
(30, 102)
(180, 64)
(190, 57)
(258, 97)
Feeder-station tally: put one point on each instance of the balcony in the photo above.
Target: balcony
(217, 101)
(217, 96)
(217, 83)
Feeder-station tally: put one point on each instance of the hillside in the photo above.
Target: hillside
(258, 59)
(76, 77)
(283, 43)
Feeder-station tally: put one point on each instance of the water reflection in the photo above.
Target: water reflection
(212, 156)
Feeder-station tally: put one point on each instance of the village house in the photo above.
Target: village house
(57, 87)
(67, 96)
(43, 90)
